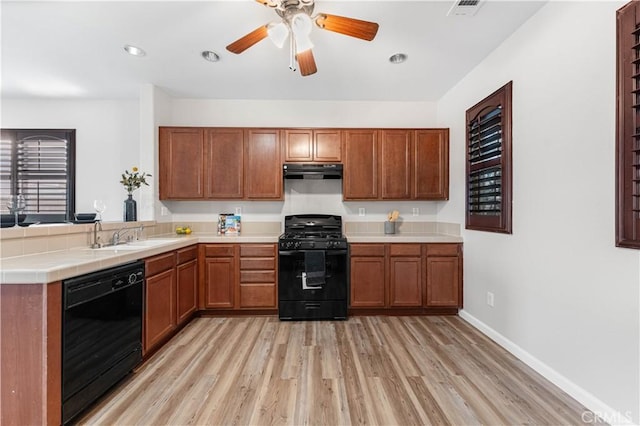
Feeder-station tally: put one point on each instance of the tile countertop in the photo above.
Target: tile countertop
(58, 265)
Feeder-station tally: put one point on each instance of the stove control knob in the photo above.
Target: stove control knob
(296, 245)
(312, 244)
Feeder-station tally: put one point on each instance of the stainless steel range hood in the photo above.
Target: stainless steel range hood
(312, 171)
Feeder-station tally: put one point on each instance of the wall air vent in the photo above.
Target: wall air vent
(465, 8)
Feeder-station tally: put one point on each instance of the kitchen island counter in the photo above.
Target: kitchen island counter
(52, 266)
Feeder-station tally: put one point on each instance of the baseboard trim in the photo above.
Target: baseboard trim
(604, 411)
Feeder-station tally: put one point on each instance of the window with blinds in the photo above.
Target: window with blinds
(489, 163)
(40, 165)
(628, 126)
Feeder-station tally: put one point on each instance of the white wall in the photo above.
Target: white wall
(107, 142)
(566, 298)
(302, 196)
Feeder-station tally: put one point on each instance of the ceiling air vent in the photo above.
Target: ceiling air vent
(465, 8)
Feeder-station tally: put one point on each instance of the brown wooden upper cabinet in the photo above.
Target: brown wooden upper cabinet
(360, 176)
(220, 164)
(396, 164)
(262, 164)
(224, 162)
(309, 145)
(181, 153)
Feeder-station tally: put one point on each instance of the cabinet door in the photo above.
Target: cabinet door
(298, 145)
(431, 165)
(187, 287)
(367, 281)
(443, 281)
(405, 281)
(360, 177)
(181, 166)
(327, 146)
(220, 281)
(160, 307)
(263, 164)
(395, 164)
(224, 162)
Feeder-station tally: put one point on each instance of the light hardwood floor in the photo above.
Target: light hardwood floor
(367, 370)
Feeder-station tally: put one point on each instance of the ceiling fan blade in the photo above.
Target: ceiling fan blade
(306, 62)
(243, 43)
(268, 3)
(364, 30)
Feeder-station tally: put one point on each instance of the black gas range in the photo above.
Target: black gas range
(313, 268)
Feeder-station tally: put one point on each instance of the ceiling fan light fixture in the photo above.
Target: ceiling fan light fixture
(278, 33)
(398, 58)
(133, 50)
(210, 56)
(301, 28)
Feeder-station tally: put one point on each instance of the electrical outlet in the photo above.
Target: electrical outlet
(238, 211)
(416, 211)
(490, 299)
(361, 211)
(164, 211)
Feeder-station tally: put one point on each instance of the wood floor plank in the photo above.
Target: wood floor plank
(363, 371)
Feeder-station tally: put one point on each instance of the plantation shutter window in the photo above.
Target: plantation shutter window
(628, 126)
(488, 195)
(39, 164)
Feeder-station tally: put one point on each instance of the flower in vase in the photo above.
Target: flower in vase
(134, 179)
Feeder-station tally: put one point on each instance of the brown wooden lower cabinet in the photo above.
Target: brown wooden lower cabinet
(258, 277)
(367, 275)
(170, 294)
(187, 283)
(444, 266)
(160, 299)
(238, 276)
(219, 275)
(405, 275)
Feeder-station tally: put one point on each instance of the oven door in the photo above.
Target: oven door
(300, 297)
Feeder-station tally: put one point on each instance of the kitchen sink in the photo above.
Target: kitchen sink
(120, 247)
(151, 243)
(137, 245)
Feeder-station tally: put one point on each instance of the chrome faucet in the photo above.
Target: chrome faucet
(115, 239)
(96, 238)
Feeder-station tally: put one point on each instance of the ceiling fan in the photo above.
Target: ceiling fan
(296, 25)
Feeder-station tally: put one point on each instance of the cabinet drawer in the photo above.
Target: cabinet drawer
(404, 250)
(258, 296)
(367, 249)
(157, 264)
(443, 249)
(257, 263)
(258, 276)
(253, 250)
(219, 250)
(186, 254)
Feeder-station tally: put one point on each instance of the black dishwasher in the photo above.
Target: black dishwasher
(101, 333)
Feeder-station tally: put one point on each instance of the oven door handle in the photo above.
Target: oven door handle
(329, 252)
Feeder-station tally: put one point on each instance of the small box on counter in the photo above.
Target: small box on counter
(228, 224)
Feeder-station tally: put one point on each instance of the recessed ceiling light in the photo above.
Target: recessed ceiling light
(133, 50)
(398, 58)
(210, 56)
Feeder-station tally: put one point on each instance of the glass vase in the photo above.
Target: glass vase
(130, 209)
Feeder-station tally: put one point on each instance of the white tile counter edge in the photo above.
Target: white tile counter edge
(43, 268)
